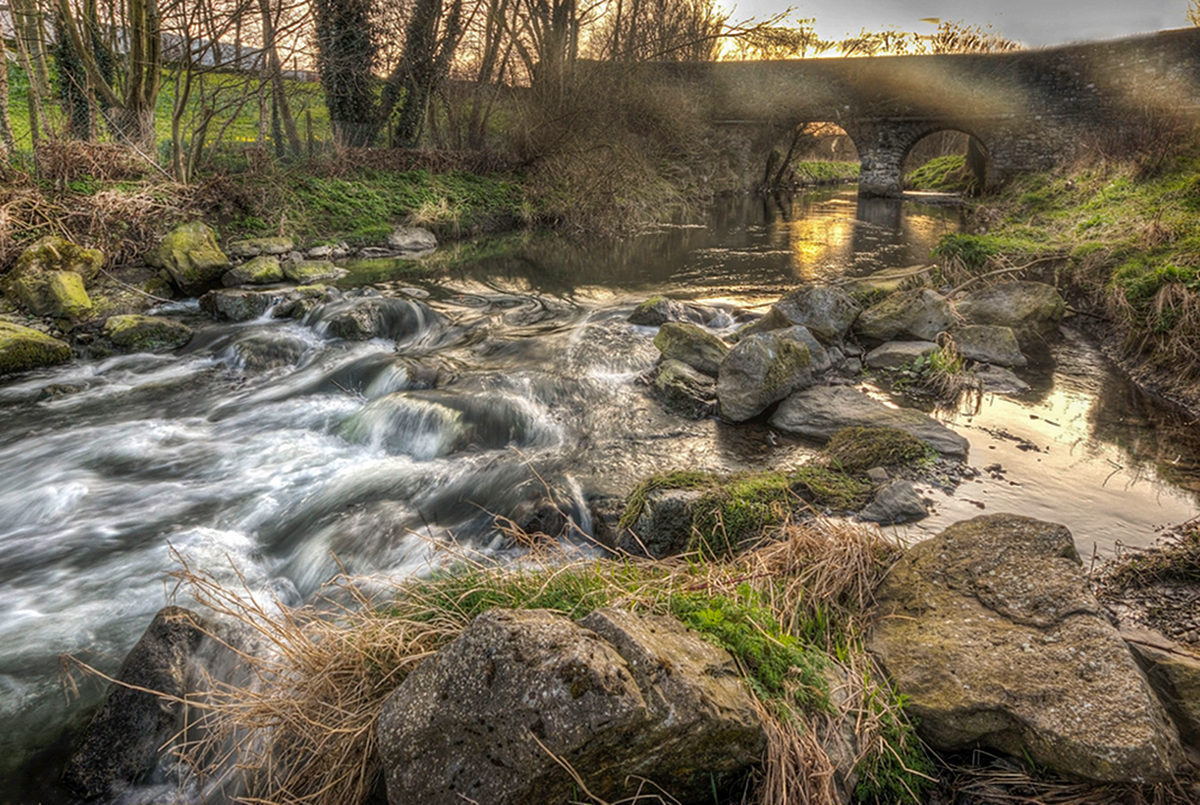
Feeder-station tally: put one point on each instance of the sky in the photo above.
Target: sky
(1031, 22)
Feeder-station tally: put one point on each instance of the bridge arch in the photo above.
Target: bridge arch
(967, 144)
(884, 145)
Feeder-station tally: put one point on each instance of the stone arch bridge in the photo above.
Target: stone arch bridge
(1029, 109)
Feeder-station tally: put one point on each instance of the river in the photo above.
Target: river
(271, 450)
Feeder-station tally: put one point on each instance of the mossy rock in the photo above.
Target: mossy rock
(60, 294)
(146, 333)
(53, 253)
(23, 348)
(191, 257)
(306, 272)
(253, 247)
(262, 270)
(692, 345)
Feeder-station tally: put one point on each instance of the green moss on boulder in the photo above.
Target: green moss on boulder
(53, 253)
(262, 270)
(693, 345)
(52, 293)
(253, 247)
(191, 257)
(307, 272)
(23, 348)
(857, 449)
(146, 333)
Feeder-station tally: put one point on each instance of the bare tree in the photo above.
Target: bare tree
(431, 38)
(7, 143)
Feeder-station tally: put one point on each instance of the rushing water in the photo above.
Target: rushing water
(273, 450)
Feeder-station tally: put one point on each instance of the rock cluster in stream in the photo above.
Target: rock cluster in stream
(988, 629)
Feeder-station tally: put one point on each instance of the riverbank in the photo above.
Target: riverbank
(1121, 238)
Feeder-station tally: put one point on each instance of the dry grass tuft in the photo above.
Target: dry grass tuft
(298, 724)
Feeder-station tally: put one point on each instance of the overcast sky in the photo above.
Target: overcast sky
(1032, 22)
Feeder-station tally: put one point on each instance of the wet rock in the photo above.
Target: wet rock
(60, 294)
(989, 343)
(146, 333)
(262, 270)
(820, 358)
(692, 345)
(258, 352)
(484, 718)
(1030, 309)
(121, 744)
(664, 526)
(761, 369)
(191, 257)
(997, 380)
(53, 253)
(360, 318)
(822, 411)
(898, 354)
(23, 348)
(683, 390)
(920, 314)
(253, 247)
(412, 240)
(991, 631)
(895, 503)
(658, 310)
(1174, 673)
(232, 304)
(305, 272)
(827, 312)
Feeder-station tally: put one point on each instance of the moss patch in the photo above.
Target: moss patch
(859, 449)
(828, 488)
(23, 348)
(146, 333)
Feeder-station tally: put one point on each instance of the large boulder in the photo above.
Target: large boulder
(919, 314)
(683, 390)
(53, 253)
(822, 411)
(827, 311)
(60, 294)
(232, 304)
(989, 343)
(23, 348)
(304, 272)
(191, 257)
(761, 369)
(497, 714)
(1031, 309)
(146, 333)
(898, 354)
(1174, 672)
(820, 358)
(262, 270)
(992, 634)
(693, 345)
(121, 745)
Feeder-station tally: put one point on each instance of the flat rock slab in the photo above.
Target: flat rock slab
(618, 697)
(897, 354)
(992, 631)
(822, 411)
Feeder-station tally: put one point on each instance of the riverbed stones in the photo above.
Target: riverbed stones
(895, 503)
(683, 390)
(821, 411)
(254, 247)
(658, 310)
(820, 359)
(360, 318)
(146, 333)
(234, 304)
(412, 240)
(693, 345)
(664, 523)
(998, 380)
(761, 369)
(1029, 308)
(121, 744)
(23, 348)
(827, 311)
(261, 270)
(618, 698)
(305, 272)
(989, 343)
(191, 257)
(992, 634)
(920, 314)
(898, 354)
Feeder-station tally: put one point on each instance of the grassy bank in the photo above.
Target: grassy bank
(1122, 239)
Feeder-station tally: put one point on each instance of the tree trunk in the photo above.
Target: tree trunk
(134, 126)
(7, 144)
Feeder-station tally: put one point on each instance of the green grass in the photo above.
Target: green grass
(817, 172)
(860, 449)
(947, 174)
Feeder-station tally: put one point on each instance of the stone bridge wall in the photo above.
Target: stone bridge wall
(1029, 109)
